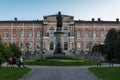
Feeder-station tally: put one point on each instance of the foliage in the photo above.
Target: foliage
(41, 58)
(5, 52)
(99, 49)
(111, 47)
(106, 73)
(16, 50)
(61, 62)
(63, 57)
(8, 51)
(12, 73)
(112, 41)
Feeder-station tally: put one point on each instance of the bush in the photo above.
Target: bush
(40, 58)
(63, 57)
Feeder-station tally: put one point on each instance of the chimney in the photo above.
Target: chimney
(15, 19)
(117, 19)
(93, 19)
(99, 19)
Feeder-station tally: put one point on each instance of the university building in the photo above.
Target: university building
(79, 35)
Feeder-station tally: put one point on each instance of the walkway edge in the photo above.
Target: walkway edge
(23, 78)
(91, 74)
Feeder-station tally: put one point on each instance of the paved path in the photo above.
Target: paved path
(59, 73)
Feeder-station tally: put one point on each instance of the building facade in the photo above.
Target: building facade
(79, 35)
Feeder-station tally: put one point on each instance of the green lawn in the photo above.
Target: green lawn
(107, 73)
(61, 63)
(12, 73)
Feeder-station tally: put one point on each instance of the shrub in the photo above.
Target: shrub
(63, 57)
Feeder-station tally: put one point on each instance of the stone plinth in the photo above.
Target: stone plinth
(59, 42)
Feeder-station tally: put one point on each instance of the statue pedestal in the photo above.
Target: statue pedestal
(59, 43)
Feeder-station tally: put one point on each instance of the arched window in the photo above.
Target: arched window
(78, 45)
(21, 45)
(51, 33)
(102, 34)
(30, 34)
(65, 32)
(38, 34)
(65, 46)
(22, 34)
(51, 46)
(6, 33)
(30, 45)
(37, 45)
(86, 34)
(94, 34)
(87, 46)
(78, 34)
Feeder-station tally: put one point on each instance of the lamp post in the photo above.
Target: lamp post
(27, 54)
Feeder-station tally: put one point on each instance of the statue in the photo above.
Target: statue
(59, 21)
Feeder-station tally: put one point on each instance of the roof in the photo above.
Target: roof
(98, 22)
(22, 21)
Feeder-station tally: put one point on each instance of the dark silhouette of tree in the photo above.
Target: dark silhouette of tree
(112, 42)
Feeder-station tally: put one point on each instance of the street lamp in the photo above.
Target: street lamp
(27, 54)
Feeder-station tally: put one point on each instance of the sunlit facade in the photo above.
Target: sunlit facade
(79, 35)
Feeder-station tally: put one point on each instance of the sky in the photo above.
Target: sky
(80, 9)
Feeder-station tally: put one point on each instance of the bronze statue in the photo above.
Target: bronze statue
(59, 21)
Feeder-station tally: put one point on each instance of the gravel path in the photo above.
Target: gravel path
(59, 73)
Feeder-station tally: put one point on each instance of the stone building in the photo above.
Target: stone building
(79, 35)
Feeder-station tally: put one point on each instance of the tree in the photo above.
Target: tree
(111, 41)
(16, 50)
(118, 46)
(98, 51)
(5, 52)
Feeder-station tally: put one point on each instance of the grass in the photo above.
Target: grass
(61, 63)
(106, 73)
(12, 73)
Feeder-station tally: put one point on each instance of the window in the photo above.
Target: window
(94, 34)
(38, 34)
(30, 34)
(65, 46)
(37, 45)
(6, 34)
(65, 32)
(102, 34)
(86, 34)
(51, 32)
(78, 34)
(21, 45)
(87, 46)
(30, 45)
(78, 45)
(14, 33)
(22, 34)
(51, 46)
